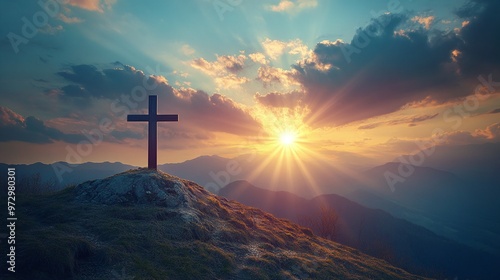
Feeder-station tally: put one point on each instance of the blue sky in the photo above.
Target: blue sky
(152, 33)
(267, 65)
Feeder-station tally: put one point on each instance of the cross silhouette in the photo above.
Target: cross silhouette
(152, 118)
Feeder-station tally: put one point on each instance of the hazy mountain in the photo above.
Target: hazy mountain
(374, 232)
(198, 169)
(214, 172)
(477, 168)
(439, 200)
(145, 224)
(477, 161)
(454, 192)
(61, 174)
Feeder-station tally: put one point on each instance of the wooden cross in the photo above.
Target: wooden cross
(152, 118)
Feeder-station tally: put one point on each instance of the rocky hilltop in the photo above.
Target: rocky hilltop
(145, 224)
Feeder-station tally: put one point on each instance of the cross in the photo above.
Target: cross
(152, 118)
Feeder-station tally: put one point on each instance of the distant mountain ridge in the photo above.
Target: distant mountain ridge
(443, 194)
(62, 174)
(374, 232)
(439, 200)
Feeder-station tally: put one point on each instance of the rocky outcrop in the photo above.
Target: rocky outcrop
(139, 186)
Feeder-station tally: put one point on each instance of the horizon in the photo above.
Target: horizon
(396, 159)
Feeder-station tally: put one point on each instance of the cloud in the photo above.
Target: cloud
(13, 127)
(479, 51)
(259, 58)
(269, 75)
(463, 138)
(387, 73)
(275, 48)
(282, 6)
(9, 117)
(68, 19)
(388, 65)
(381, 69)
(224, 70)
(490, 134)
(91, 5)
(496, 111)
(187, 50)
(51, 30)
(214, 113)
(224, 63)
(198, 110)
(291, 6)
(230, 81)
(90, 82)
(280, 100)
(409, 120)
(398, 146)
(425, 21)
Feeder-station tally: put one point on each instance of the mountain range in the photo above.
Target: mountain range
(146, 224)
(452, 192)
(374, 232)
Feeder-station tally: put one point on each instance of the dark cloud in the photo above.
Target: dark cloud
(89, 81)
(197, 109)
(410, 121)
(270, 75)
(496, 111)
(14, 127)
(480, 48)
(75, 91)
(379, 71)
(277, 99)
(490, 134)
(213, 113)
(392, 62)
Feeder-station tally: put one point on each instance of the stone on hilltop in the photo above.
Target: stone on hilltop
(139, 186)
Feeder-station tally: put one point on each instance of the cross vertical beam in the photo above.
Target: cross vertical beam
(152, 133)
(152, 118)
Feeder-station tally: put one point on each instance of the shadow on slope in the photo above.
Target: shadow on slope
(374, 232)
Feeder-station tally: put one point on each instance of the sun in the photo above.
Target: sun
(287, 138)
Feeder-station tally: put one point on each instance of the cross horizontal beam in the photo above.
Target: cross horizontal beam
(159, 118)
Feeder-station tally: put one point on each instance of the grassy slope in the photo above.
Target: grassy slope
(59, 238)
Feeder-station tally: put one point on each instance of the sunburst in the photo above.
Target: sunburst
(287, 138)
